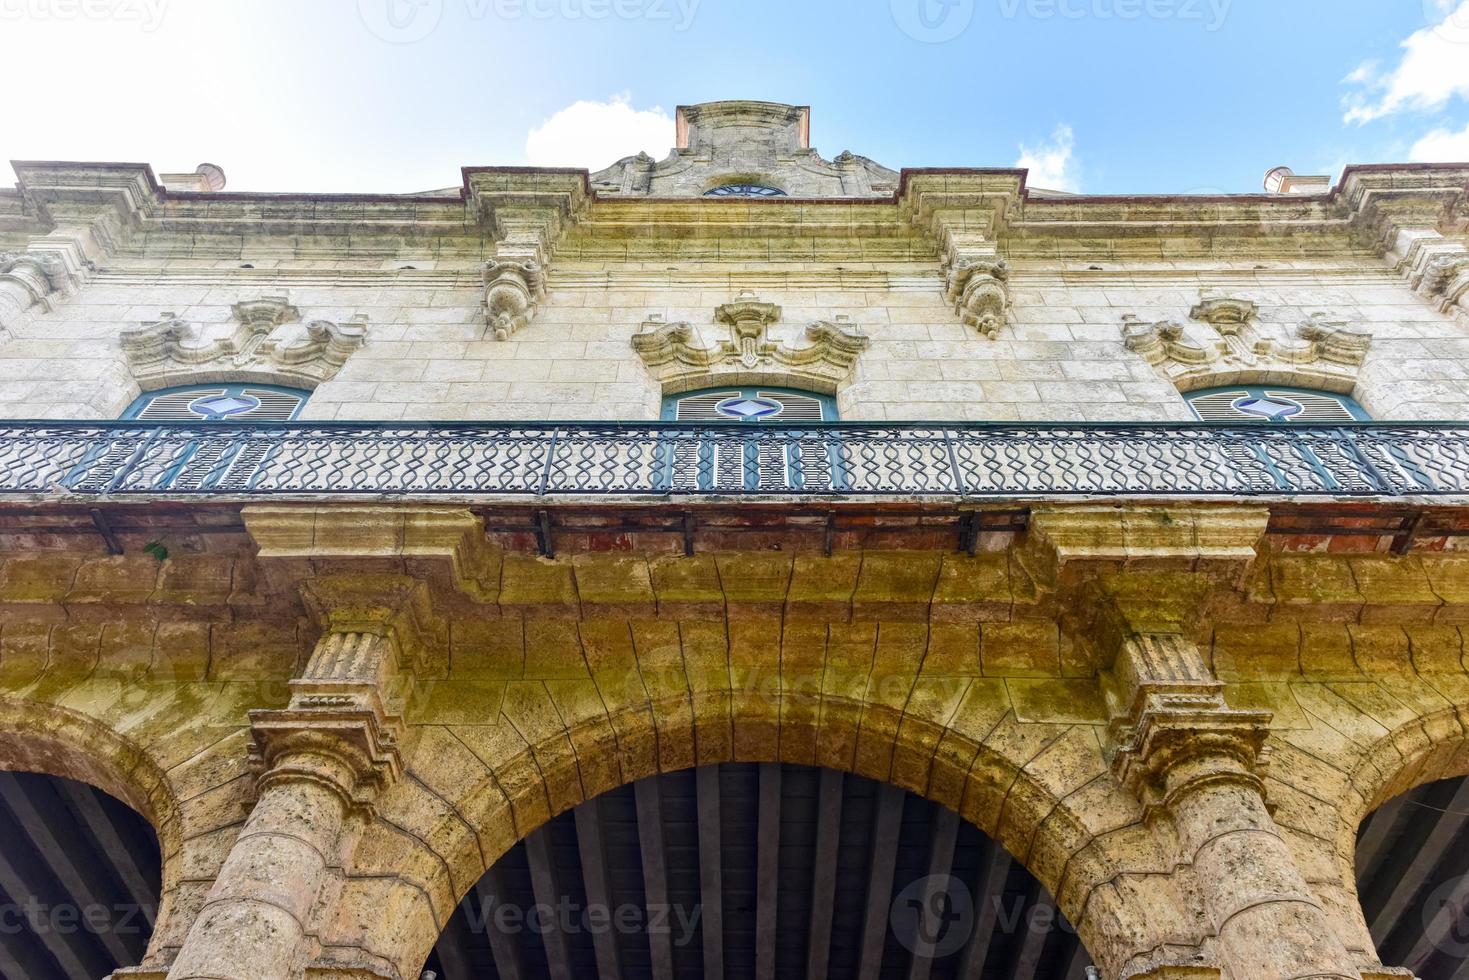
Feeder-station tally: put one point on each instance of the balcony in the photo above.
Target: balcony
(651, 458)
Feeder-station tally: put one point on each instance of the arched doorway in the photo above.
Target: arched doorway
(1413, 879)
(750, 870)
(79, 880)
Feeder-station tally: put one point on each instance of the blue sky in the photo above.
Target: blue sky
(1101, 96)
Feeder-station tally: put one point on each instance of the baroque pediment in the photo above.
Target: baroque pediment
(764, 143)
(266, 340)
(673, 350)
(1224, 339)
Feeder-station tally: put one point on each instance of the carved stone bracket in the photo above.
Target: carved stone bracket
(1231, 341)
(28, 280)
(1446, 281)
(669, 349)
(267, 340)
(977, 286)
(513, 293)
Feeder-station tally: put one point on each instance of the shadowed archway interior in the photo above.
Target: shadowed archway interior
(1413, 879)
(764, 870)
(79, 879)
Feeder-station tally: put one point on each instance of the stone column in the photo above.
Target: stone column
(1194, 763)
(322, 761)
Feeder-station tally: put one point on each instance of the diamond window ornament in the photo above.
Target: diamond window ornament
(749, 408)
(744, 190)
(223, 406)
(1272, 408)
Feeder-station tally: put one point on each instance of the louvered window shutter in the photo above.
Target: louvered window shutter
(219, 403)
(1291, 406)
(732, 460)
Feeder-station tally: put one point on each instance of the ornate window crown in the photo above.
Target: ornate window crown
(268, 341)
(671, 354)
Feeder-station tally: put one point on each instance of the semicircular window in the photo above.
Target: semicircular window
(744, 190)
(1251, 403)
(736, 404)
(219, 403)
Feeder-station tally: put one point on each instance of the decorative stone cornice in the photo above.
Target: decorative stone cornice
(1232, 343)
(443, 547)
(1071, 544)
(261, 345)
(670, 353)
(513, 293)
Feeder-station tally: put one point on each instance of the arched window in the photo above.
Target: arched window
(750, 405)
(1272, 403)
(219, 403)
(745, 461)
(744, 190)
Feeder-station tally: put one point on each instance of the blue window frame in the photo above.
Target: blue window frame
(735, 462)
(760, 405)
(221, 402)
(1274, 404)
(744, 190)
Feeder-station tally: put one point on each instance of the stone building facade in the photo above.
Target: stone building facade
(1169, 677)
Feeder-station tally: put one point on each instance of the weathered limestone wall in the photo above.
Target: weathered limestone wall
(1015, 686)
(427, 355)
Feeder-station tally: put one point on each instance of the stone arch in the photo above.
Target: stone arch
(57, 741)
(1043, 792)
(1290, 376)
(1370, 741)
(817, 384)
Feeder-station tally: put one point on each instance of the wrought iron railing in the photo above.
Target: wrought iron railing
(660, 458)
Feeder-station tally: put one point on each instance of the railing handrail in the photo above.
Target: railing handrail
(541, 425)
(963, 459)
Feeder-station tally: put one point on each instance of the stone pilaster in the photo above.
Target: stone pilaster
(322, 762)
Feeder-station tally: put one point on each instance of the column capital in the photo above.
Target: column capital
(1171, 729)
(344, 720)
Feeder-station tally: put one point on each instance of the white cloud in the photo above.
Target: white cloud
(1434, 69)
(1051, 164)
(597, 134)
(1442, 146)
